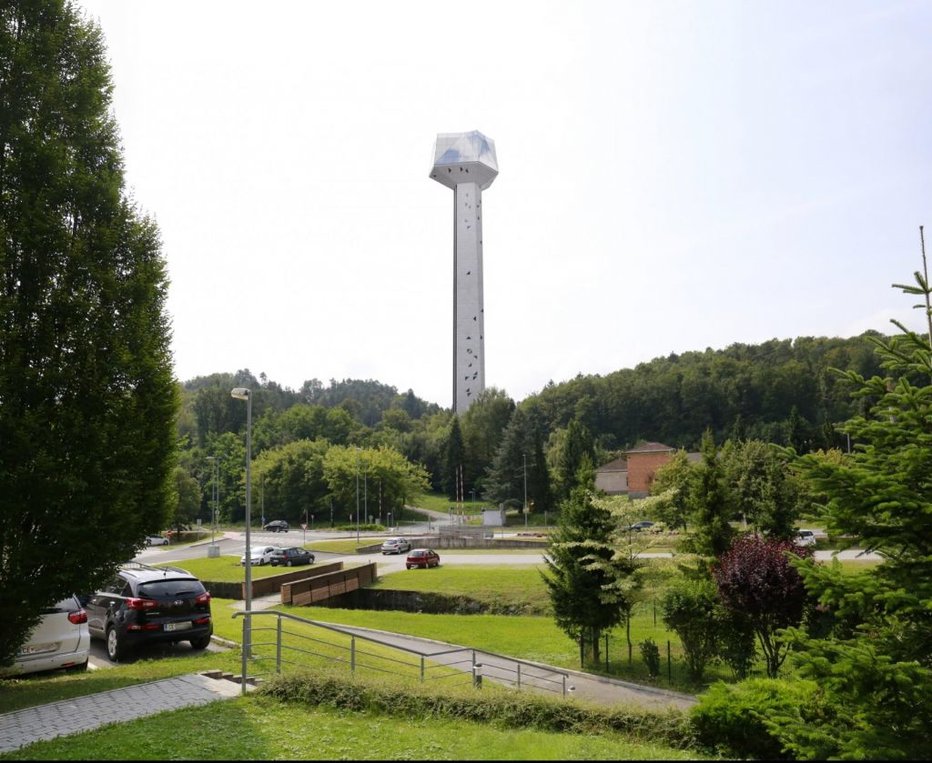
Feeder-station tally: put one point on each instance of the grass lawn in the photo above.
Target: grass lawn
(518, 587)
(262, 728)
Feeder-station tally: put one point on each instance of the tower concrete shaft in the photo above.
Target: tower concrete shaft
(466, 163)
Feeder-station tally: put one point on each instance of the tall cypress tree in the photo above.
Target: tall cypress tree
(87, 398)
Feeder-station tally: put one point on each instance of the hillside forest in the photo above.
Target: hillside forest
(311, 445)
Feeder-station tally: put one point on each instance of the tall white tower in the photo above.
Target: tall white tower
(465, 162)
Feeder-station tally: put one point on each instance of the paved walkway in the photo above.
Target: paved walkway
(70, 716)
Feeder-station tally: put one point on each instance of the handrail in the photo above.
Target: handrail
(476, 668)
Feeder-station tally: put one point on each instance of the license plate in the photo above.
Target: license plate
(178, 626)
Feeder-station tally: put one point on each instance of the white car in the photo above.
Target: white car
(156, 540)
(60, 640)
(395, 546)
(261, 555)
(805, 538)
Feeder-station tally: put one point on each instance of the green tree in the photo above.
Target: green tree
(577, 446)
(454, 457)
(875, 667)
(763, 489)
(87, 399)
(583, 572)
(690, 609)
(483, 425)
(293, 479)
(710, 504)
(187, 499)
(672, 485)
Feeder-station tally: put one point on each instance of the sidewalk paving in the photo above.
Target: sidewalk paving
(71, 716)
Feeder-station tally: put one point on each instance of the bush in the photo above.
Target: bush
(733, 720)
(691, 610)
(650, 653)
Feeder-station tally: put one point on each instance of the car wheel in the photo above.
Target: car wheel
(116, 650)
(408, 566)
(200, 643)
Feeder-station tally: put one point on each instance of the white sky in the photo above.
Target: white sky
(673, 176)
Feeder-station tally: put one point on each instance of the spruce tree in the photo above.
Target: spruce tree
(87, 398)
(874, 668)
(583, 569)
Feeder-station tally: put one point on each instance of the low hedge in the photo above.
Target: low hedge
(509, 709)
(733, 719)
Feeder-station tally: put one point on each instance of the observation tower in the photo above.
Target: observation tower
(465, 162)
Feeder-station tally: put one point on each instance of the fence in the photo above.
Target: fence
(305, 643)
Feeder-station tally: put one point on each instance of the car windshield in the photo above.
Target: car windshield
(167, 589)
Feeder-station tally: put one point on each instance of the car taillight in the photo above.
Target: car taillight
(77, 617)
(141, 603)
(204, 598)
(202, 620)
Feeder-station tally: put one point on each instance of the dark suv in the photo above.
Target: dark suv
(144, 604)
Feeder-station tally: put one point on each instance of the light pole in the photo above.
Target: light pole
(365, 491)
(214, 470)
(525, 488)
(242, 393)
(357, 495)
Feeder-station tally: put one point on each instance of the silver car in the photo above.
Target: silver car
(60, 640)
(395, 546)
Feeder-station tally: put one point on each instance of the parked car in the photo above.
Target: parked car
(805, 538)
(642, 525)
(156, 540)
(60, 641)
(261, 555)
(144, 604)
(422, 557)
(395, 546)
(276, 526)
(290, 557)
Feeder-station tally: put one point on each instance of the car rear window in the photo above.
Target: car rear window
(167, 589)
(65, 605)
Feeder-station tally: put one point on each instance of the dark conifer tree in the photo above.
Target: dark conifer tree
(87, 399)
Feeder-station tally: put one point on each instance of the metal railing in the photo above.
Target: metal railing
(337, 645)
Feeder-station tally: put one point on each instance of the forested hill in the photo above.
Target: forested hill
(779, 391)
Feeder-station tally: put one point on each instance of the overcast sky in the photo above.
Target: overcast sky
(673, 176)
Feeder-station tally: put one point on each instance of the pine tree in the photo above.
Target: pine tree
(875, 666)
(87, 398)
(583, 571)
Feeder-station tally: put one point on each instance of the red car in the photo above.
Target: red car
(422, 557)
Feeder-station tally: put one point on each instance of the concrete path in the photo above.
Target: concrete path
(70, 716)
(536, 676)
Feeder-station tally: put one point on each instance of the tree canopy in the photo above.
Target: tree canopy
(87, 399)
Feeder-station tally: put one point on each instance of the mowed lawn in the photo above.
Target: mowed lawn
(262, 728)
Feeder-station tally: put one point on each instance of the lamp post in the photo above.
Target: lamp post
(357, 495)
(214, 495)
(242, 393)
(525, 488)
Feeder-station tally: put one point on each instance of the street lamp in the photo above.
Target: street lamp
(242, 393)
(214, 494)
(357, 495)
(525, 488)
